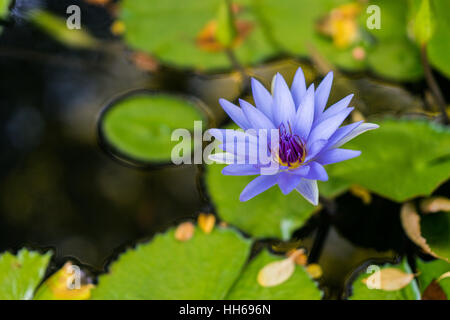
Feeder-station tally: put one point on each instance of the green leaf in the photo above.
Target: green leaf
(396, 59)
(21, 274)
(400, 160)
(298, 287)
(360, 290)
(140, 126)
(56, 27)
(4, 6)
(424, 23)
(270, 214)
(429, 271)
(204, 267)
(435, 229)
(439, 47)
(176, 26)
(226, 29)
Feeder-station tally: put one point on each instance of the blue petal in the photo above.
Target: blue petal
(256, 118)
(262, 97)
(315, 148)
(258, 185)
(326, 128)
(305, 114)
(356, 132)
(235, 113)
(336, 108)
(337, 155)
(287, 182)
(240, 170)
(341, 133)
(283, 104)
(230, 135)
(301, 171)
(317, 172)
(322, 93)
(298, 87)
(309, 190)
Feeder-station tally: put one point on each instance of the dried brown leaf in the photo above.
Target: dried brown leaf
(314, 270)
(411, 224)
(276, 272)
(435, 204)
(388, 279)
(434, 292)
(184, 231)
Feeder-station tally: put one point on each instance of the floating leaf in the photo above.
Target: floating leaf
(204, 267)
(299, 286)
(139, 126)
(270, 215)
(21, 274)
(206, 222)
(276, 272)
(400, 160)
(184, 231)
(177, 29)
(388, 279)
(56, 27)
(63, 285)
(435, 204)
(433, 271)
(396, 282)
(434, 292)
(439, 46)
(361, 193)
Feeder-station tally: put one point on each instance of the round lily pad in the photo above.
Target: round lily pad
(137, 128)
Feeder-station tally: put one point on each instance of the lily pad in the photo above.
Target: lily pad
(21, 274)
(435, 229)
(175, 27)
(139, 127)
(270, 214)
(396, 59)
(439, 47)
(361, 291)
(433, 270)
(299, 286)
(204, 267)
(400, 160)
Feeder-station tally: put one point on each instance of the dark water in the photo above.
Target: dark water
(58, 189)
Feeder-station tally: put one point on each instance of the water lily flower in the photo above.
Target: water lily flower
(308, 136)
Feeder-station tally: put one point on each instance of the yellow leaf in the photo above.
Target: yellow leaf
(361, 193)
(64, 285)
(435, 204)
(388, 279)
(206, 222)
(314, 270)
(184, 231)
(276, 272)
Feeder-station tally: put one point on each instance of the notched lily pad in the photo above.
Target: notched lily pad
(21, 274)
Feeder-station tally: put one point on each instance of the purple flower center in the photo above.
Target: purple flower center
(291, 150)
